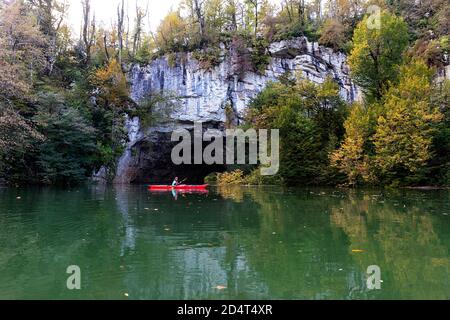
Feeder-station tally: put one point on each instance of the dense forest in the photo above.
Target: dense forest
(64, 96)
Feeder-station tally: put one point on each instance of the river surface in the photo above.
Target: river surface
(232, 243)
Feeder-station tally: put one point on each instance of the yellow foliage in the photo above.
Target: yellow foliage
(404, 135)
(112, 84)
(171, 33)
(351, 158)
(231, 178)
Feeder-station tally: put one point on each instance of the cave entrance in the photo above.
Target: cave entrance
(153, 163)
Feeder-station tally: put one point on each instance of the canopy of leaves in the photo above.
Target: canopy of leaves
(65, 157)
(404, 135)
(21, 50)
(309, 117)
(377, 53)
(391, 142)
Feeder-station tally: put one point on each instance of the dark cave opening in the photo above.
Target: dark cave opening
(153, 163)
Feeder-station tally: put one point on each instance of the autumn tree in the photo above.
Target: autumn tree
(352, 158)
(404, 135)
(333, 34)
(21, 57)
(171, 33)
(21, 50)
(112, 102)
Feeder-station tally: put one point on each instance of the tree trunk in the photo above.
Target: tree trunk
(201, 20)
(120, 17)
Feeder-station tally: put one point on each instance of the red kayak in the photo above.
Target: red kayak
(179, 187)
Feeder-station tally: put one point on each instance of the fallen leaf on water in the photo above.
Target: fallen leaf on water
(358, 251)
(440, 262)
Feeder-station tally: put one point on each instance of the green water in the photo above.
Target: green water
(238, 243)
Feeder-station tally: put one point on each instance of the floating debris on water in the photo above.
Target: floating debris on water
(220, 287)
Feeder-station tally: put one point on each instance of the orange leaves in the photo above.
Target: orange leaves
(112, 84)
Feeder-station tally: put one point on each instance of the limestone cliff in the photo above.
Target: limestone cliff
(209, 95)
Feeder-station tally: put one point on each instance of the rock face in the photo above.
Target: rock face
(209, 95)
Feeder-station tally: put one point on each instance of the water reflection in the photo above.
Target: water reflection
(240, 243)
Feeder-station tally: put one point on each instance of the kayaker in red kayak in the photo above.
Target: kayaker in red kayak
(175, 182)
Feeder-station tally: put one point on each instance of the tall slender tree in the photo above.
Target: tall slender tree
(88, 29)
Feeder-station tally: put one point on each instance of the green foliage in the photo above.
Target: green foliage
(211, 178)
(259, 56)
(377, 53)
(63, 104)
(309, 117)
(352, 158)
(440, 164)
(254, 178)
(208, 58)
(172, 59)
(65, 157)
(145, 54)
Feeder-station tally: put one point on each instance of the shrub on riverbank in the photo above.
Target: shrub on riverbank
(235, 177)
